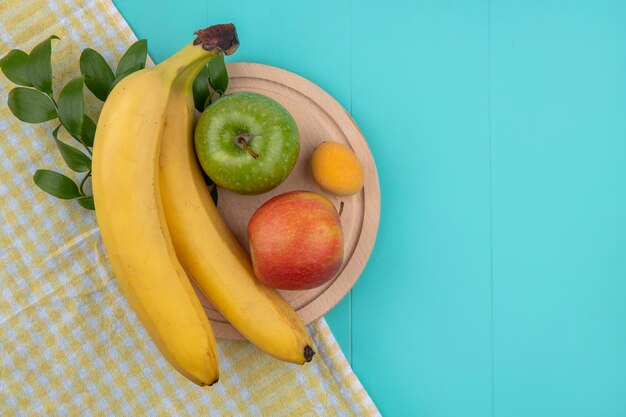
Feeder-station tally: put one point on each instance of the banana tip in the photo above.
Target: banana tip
(208, 384)
(308, 353)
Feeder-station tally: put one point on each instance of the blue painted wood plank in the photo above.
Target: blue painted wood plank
(422, 309)
(168, 25)
(339, 320)
(559, 204)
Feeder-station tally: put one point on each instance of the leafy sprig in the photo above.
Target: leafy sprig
(211, 83)
(33, 101)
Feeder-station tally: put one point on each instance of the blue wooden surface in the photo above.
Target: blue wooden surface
(559, 207)
(497, 286)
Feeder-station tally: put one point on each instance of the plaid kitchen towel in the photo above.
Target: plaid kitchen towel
(69, 343)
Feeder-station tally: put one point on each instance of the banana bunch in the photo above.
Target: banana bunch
(158, 221)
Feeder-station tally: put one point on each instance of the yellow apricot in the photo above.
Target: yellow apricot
(336, 169)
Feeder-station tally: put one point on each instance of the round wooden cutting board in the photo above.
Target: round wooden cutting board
(319, 118)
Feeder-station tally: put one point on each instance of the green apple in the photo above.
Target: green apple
(247, 142)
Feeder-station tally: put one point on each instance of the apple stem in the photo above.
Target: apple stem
(244, 144)
(340, 208)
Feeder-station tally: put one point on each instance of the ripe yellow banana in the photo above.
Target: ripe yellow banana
(208, 250)
(129, 210)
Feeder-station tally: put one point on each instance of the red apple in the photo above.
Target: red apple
(296, 241)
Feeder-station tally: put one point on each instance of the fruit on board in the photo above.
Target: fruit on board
(247, 142)
(209, 251)
(337, 169)
(296, 241)
(130, 214)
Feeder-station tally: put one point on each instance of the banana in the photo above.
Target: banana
(208, 250)
(129, 210)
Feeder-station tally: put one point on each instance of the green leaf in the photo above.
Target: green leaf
(86, 202)
(89, 131)
(218, 76)
(30, 105)
(134, 58)
(201, 89)
(56, 184)
(39, 66)
(98, 75)
(75, 159)
(71, 108)
(14, 67)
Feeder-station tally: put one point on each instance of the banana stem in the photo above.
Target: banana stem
(209, 43)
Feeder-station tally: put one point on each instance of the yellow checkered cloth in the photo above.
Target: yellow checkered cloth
(69, 343)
